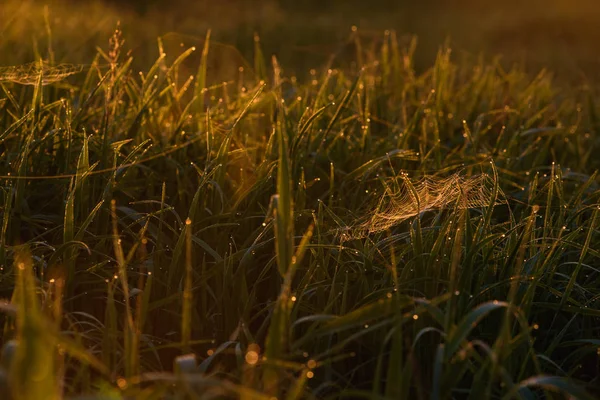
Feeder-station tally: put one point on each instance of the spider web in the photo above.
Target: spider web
(29, 74)
(426, 194)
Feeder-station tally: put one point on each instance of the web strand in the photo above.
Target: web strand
(29, 74)
(426, 194)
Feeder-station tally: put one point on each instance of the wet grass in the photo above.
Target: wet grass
(169, 235)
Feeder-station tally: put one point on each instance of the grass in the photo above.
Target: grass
(169, 235)
(535, 34)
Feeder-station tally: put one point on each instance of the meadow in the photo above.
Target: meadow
(192, 221)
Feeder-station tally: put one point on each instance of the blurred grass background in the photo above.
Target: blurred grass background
(560, 35)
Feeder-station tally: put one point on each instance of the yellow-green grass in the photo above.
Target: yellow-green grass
(198, 230)
(558, 34)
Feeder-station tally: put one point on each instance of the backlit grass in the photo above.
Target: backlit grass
(166, 234)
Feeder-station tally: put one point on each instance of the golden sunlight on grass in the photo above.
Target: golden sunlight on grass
(274, 199)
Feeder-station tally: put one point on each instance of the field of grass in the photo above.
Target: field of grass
(204, 225)
(560, 34)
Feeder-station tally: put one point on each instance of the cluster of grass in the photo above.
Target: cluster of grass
(535, 33)
(168, 236)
